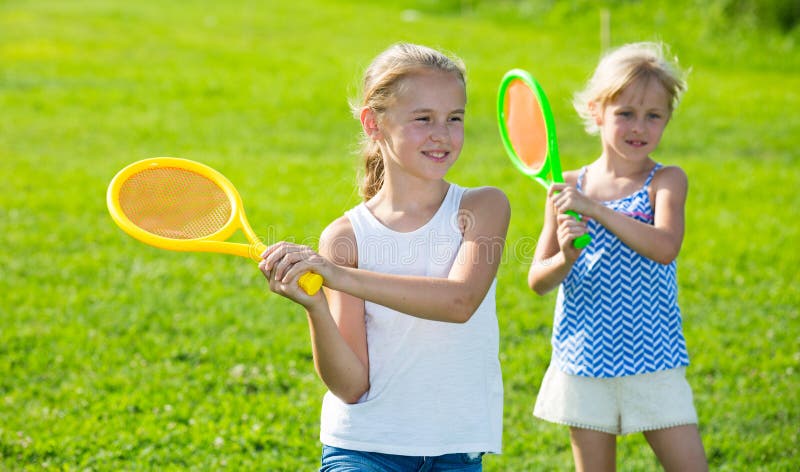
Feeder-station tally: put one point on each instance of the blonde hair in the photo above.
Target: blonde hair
(379, 86)
(624, 66)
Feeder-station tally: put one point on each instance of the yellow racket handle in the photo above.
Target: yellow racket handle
(309, 282)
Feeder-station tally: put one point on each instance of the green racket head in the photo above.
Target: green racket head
(528, 131)
(527, 127)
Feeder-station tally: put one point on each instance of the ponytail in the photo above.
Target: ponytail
(372, 179)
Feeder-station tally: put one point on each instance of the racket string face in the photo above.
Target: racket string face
(182, 205)
(175, 203)
(527, 132)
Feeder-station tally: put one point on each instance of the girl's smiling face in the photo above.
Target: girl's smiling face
(632, 124)
(422, 131)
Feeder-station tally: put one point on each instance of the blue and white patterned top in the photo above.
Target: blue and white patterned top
(617, 311)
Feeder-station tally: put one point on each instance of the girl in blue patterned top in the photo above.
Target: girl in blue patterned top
(619, 354)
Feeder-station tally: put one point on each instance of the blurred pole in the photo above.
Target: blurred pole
(605, 29)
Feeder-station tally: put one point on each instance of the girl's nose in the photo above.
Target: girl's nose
(440, 133)
(638, 126)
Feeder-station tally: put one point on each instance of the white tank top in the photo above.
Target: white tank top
(435, 387)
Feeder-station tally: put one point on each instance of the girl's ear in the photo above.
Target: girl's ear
(369, 121)
(596, 110)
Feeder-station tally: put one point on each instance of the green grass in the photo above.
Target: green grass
(118, 356)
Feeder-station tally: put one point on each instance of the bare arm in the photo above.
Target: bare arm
(555, 254)
(335, 319)
(451, 299)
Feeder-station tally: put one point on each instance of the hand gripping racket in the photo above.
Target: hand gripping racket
(528, 131)
(182, 205)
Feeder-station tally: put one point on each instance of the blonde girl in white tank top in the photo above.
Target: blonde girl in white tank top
(404, 334)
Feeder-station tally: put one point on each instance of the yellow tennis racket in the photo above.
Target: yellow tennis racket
(182, 205)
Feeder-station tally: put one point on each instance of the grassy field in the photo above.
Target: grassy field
(118, 356)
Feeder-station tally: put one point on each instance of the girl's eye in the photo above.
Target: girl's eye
(422, 118)
(456, 118)
(654, 116)
(626, 114)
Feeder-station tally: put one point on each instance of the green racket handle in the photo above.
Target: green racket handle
(583, 240)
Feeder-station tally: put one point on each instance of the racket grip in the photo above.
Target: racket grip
(583, 240)
(310, 282)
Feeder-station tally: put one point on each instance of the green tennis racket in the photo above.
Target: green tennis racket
(528, 131)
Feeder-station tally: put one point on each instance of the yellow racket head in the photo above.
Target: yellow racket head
(183, 205)
(177, 204)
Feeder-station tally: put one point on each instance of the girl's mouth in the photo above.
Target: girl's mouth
(636, 143)
(436, 155)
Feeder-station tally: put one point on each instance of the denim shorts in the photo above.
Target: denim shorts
(335, 459)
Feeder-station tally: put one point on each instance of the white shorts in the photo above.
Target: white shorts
(617, 405)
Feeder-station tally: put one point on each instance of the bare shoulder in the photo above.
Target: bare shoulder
(571, 177)
(670, 178)
(338, 242)
(485, 211)
(485, 198)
